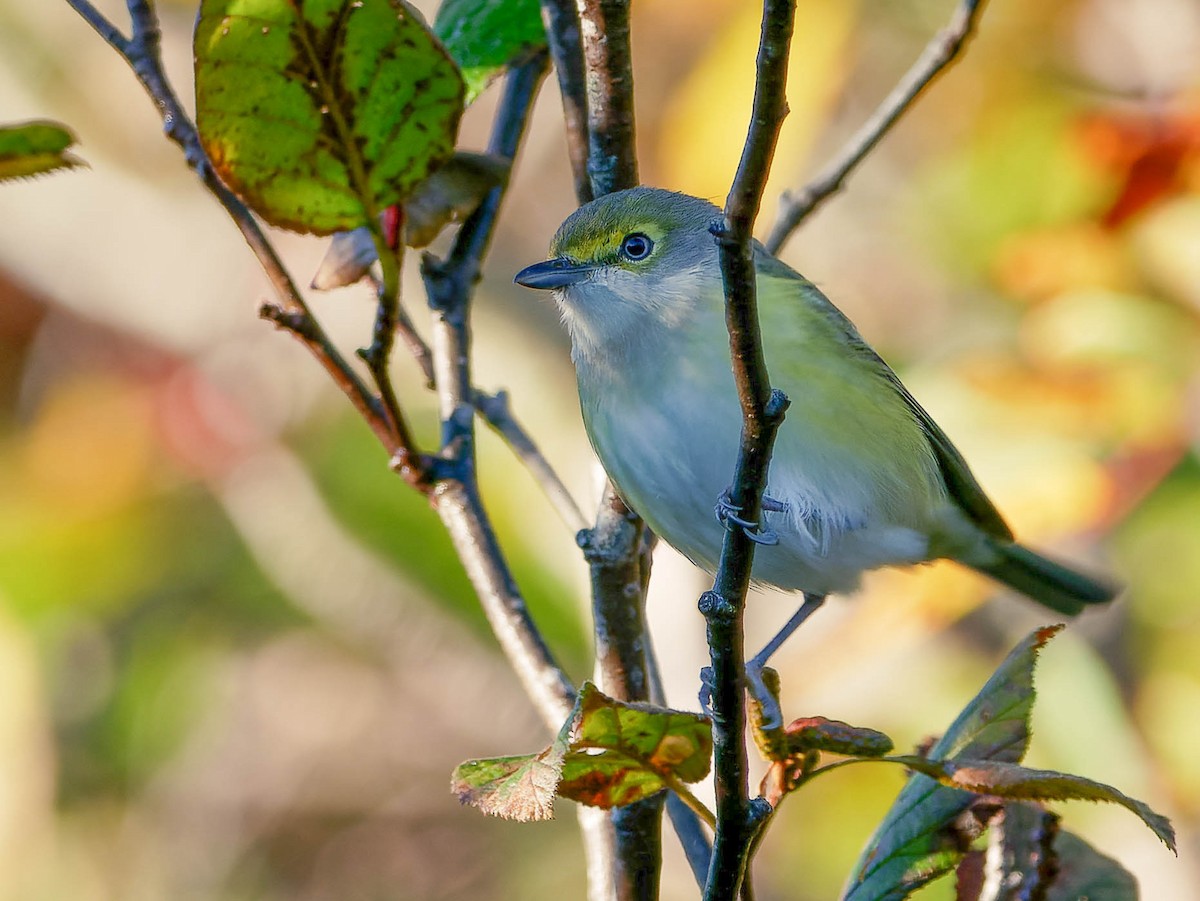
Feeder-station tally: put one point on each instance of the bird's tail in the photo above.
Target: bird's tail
(1058, 587)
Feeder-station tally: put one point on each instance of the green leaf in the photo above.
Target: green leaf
(35, 148)
(1009, 780)
(320, 115)
(608, 754)
(1083, 872)
(485, 36)
(917, 841)
(622, 752)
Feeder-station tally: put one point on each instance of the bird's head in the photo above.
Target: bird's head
(628, 267)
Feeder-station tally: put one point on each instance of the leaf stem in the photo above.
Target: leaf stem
(383, 336)
(685, 794)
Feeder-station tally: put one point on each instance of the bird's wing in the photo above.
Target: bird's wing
(960, 481)
(964, 489)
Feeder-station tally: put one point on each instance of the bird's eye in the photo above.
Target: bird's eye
(636, 246)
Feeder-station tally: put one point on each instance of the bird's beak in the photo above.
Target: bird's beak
(556, 273)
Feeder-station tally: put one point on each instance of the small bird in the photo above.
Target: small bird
(861, 476)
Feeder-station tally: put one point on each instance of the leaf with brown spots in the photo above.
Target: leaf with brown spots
(609, 753)
(319, 115)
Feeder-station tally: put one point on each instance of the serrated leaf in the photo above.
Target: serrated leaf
(915, 843)
(320, 115)
(621, 752)
(35, 148)
(485, 36)
(1010, 780)
(609, 753)
(516, 788)
(1083, 872)
(816, 733)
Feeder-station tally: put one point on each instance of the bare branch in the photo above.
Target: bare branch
(497, 413)
(937, 56)
(449, 284)
(608, 79)
(103, 27)
(619, 562)
(738, 819)
(457, 502)
(494, 408)
(562, 33)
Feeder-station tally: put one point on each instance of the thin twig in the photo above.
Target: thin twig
(497, 413)
(738, 819)
(562, 33)
(937, 56)
(378, 355)
(677, 785)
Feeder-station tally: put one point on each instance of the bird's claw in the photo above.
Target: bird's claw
(768, 700)
(727, 515)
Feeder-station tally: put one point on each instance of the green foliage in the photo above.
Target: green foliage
(923, 836)
(320, 116)
(485, 36)
(609, 753)
(1008, 780)
(35, 148)
(911, 847)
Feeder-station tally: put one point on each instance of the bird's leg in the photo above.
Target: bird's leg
(772, 715)
(727, 515)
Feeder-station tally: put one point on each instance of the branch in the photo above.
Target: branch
(457, 502)
(494, 408)
(738, 819)
(933, 61)
(449, 284)
(619, 561)
(497, 413)
(608, 80)
(378, 356)
(561, 19)
(142, 51)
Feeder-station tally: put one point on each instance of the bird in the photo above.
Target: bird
(861, 476)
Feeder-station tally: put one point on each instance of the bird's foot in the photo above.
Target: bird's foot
(727, 515)
(765, 693)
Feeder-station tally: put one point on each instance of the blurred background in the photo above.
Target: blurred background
(238, 658)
